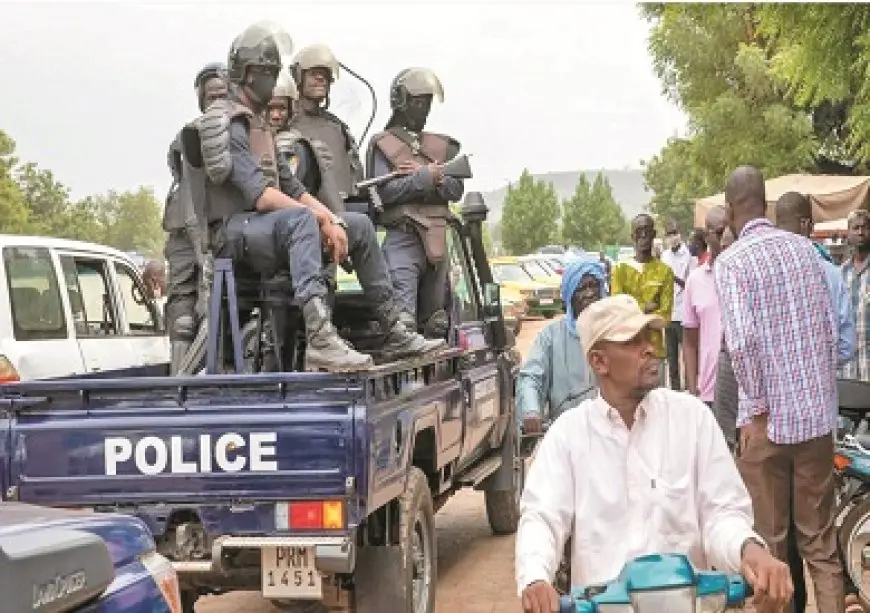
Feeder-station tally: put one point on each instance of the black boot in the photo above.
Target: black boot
(325, 348)
(401, 341)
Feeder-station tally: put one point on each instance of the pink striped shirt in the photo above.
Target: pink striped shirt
(779, 328)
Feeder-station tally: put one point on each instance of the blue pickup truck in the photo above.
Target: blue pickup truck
(317, 489)
(55, 560)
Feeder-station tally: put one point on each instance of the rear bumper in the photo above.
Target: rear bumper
(333, 554)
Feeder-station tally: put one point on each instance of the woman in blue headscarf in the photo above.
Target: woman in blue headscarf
(555, 375)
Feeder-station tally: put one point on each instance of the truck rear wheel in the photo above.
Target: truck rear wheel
(417, 530)
(503, 506)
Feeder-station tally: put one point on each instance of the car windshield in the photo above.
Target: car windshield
(509, 272)
(536, 269)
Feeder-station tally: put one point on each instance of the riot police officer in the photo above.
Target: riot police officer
(314, 70)
(316, 169)
(183, 249)
(416, 204)
(261, 215)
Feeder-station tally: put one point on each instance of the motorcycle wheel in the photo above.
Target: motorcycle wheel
(857, 518)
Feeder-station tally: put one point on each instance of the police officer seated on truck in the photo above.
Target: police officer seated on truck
(259, 213)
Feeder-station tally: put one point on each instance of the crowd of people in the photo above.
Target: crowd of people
(731, 463)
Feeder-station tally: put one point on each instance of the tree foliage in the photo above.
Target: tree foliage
(732, 68)
(530, 218)
(33, 201)
(591, 217)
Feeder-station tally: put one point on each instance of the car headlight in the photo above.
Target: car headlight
(679, 600)
(165, 577)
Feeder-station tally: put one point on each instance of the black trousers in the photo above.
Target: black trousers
(673, 340)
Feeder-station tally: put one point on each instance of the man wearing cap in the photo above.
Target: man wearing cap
(663, 478)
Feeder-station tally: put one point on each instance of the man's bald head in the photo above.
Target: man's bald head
(716, 217)
(794, 213)
(744, 193)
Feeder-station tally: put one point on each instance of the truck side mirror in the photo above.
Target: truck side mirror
(491, 301)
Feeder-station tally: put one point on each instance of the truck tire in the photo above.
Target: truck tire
(188, 600)
(503, 506)
(417, 530)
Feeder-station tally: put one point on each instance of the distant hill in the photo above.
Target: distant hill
(627, 185)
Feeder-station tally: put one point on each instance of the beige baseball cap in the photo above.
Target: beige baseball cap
(615, 318)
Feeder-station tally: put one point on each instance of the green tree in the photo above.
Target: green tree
(14, 218)
(714, 61)
(47, 200)
(530, 218)
(591, 218)
(130, 220)
(821, 52)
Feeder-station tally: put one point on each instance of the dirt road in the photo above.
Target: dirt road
(475, 568)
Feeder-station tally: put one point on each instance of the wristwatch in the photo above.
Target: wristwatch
(335, 220)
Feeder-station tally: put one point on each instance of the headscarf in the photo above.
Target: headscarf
(571, 278)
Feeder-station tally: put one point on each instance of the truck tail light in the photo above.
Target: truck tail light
(164, 576)
(310, 515)
(8, 374)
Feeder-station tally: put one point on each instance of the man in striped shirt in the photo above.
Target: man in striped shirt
(779, 328)
(857, 279)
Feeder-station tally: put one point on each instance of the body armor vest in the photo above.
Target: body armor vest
(287, 141)
(224, 200)
(325, 127)
(429, 216)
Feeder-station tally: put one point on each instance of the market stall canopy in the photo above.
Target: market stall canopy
(833, 196)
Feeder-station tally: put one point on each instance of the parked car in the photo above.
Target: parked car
(61, 560)
(547, 268)
(542, 299)
(73, 308)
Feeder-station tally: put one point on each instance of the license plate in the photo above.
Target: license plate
(289, 572)
(546, 301)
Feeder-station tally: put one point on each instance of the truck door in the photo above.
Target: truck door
(98, 327)
(141, 324)
(480, 373)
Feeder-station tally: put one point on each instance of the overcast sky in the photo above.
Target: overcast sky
(95, 91)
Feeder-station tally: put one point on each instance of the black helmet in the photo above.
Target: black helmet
(210, 71)
(262, 44)
(414, 82)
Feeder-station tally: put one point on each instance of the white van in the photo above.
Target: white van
(73, 308)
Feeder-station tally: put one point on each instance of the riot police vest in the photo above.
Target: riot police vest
(428, 216)
(325, 127)
(287, 142)
(224, 199)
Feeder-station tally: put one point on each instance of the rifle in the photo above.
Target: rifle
(458, 168)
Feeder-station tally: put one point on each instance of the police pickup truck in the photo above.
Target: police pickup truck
(316, 489)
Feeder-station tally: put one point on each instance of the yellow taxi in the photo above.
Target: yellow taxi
(540, 297)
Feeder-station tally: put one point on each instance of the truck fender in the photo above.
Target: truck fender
(502, 478)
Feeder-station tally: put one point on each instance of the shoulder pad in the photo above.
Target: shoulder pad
(214, 134)
(285, 140)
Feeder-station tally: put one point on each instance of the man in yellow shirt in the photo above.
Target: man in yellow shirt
(646, 278)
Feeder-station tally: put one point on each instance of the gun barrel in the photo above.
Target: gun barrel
(377, 180)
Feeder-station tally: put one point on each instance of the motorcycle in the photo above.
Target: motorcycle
(660, 584)
(852, 478)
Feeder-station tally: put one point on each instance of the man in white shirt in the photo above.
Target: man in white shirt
(679, 259)
(636, 470)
